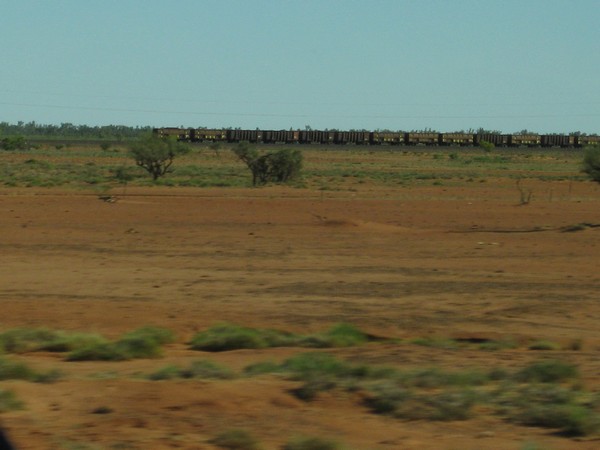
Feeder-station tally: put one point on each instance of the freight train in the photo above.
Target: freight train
(376, 138)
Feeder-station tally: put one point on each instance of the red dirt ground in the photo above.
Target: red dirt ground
(448, 262)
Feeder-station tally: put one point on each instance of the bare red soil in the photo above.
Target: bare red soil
(445, 262)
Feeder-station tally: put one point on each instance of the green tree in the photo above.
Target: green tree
(156, 155)
(278, 167)
(591, 162)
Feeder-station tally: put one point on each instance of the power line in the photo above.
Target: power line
(306, 116)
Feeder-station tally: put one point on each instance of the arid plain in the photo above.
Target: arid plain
(431, 270)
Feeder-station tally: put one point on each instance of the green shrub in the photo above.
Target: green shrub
(225, 337)
(313, 385)
(544, 345)
(166, 373)
(591, 162)
(345, 335)
(197, 369)
(12, 370)
(9, 401)
(311, 443)
(22, 340)
(434, 377)
(261, 368)
(311, 364)
(236, 440)
(445, 406)
(386, 397)
(99, 352)
(206, 369)
(549, 371)
(570, 419)
(144, 342)
(436, 342)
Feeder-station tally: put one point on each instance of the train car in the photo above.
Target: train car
(582, 141)
(317, 137)
(461, 139)
(253, 136)
(281, 136)
(181, 134)
(422, 138)
(499, 140)
(524, 140)
(206, 134)
(557, 140)
(387, 137)
(352, 137)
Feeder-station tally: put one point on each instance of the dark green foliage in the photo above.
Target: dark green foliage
(166, 373)
(391, 399)
(156, 155)
(197, 369)
(13, 143)
(230, 337)
(386, 396)
(225, 337)
(345, 335)
(236, 440)
(144, 342)
(9, 401)
(551, 406)
(273, 167)
(591, 162)
(261, 368)
(311, 443)
(206, 369)
(487, 146)
(306, 366)
(434, 378)
(22, 340)
(13, 370)
(549, 371)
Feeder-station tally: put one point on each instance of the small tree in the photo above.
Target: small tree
(591, 162)
(278, 167)
(13, 143)
(156, 154)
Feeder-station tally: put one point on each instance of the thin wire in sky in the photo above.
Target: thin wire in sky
(306, 116)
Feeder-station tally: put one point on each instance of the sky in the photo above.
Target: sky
(446, 65)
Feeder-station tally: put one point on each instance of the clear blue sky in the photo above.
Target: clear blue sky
(374, 64)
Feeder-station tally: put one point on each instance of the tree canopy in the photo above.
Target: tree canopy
(156, 155)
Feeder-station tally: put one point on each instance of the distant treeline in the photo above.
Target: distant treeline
(33, 130)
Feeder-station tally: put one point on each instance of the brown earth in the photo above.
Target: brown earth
(453, 262)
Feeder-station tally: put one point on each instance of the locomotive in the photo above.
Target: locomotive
(376, 138)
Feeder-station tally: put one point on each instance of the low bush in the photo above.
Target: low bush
(145, 342)
(544, 345)
(23, 340)
(226, 337)
(13, 370)
(548, 371)
(197, 369)
(9, 401)
(236, 439)
(311, 443)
